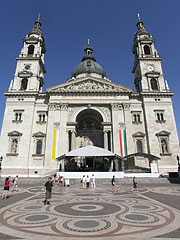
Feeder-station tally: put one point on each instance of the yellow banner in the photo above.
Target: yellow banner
(54, 144)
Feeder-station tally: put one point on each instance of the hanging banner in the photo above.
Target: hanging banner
(123, 143)
(55, 148)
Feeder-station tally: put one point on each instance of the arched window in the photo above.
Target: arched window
(162, 116)
(154, 85)
(39, 147)
(138, 118)
(24, 83)
(139, 146)
(164, 147)
(147, 50)
(31, 50)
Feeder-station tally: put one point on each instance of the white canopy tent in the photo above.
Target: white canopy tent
(90, 151)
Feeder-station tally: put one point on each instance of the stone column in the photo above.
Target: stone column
(111, 166)
(122, 165)
(105, 140)
(73, 139)
(110, 133)
(116, 165)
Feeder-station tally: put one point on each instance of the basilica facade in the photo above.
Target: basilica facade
(88, 109)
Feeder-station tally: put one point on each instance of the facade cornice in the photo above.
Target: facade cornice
(157, 94)
(21, 94)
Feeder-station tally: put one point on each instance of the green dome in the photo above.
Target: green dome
(88, 64)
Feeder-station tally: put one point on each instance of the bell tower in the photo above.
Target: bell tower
(147, 67)
(30, 69)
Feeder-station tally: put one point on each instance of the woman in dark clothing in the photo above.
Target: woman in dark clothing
(6, 187)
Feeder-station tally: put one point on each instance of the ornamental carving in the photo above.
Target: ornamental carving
(58, 106)
(90, 86)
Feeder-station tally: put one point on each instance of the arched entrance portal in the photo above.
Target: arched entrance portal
(89, 128)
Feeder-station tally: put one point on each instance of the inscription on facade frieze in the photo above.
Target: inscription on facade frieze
(117, 106)
(58, 106)
(120, 106)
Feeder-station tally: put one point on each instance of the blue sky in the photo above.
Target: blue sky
(110, 25)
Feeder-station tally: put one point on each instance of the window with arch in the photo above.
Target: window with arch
(31, 49)
(160, 116)
(139, 146)
(147, 50)
(154, 84)
(24, 84)
(136, 117)
(18, 116)
(39, 144)
(42, 117)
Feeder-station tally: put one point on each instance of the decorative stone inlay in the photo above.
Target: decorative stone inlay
(37, 218)
(73, 209)
(58, 106)
(136, 217)
(86, 224)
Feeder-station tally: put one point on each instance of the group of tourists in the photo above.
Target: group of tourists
(7, 186)
(88, 182)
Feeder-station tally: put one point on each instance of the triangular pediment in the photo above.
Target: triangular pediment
(139, 134)
(14, 134)
(163, 133)
(39, 134)
(89, 85)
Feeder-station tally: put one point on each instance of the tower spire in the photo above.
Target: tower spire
(38, 23)
(140, 23)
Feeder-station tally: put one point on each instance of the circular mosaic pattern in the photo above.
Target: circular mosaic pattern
(73, 209)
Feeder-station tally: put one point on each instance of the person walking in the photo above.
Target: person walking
(49, 187)
(113, 182)
(87, 182)
(93, 182)
(135, 187)
(15, 184)
(6, 187)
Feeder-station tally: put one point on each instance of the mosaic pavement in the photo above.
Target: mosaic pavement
(99, 214)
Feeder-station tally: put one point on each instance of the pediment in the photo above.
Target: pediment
(14, 134)
(39, 134)
(163, 133)
(139, 134)
(89, 85)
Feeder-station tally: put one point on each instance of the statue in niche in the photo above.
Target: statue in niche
(14, 146)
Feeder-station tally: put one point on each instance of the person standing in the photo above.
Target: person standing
(113, 182)
(84, 182)
(6, 187)
(49, 187)
(15, 184)
(135, 187)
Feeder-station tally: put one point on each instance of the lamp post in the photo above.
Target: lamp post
(1, 158)
(178, 164)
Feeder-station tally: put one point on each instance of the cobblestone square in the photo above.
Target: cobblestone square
(152, 213)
